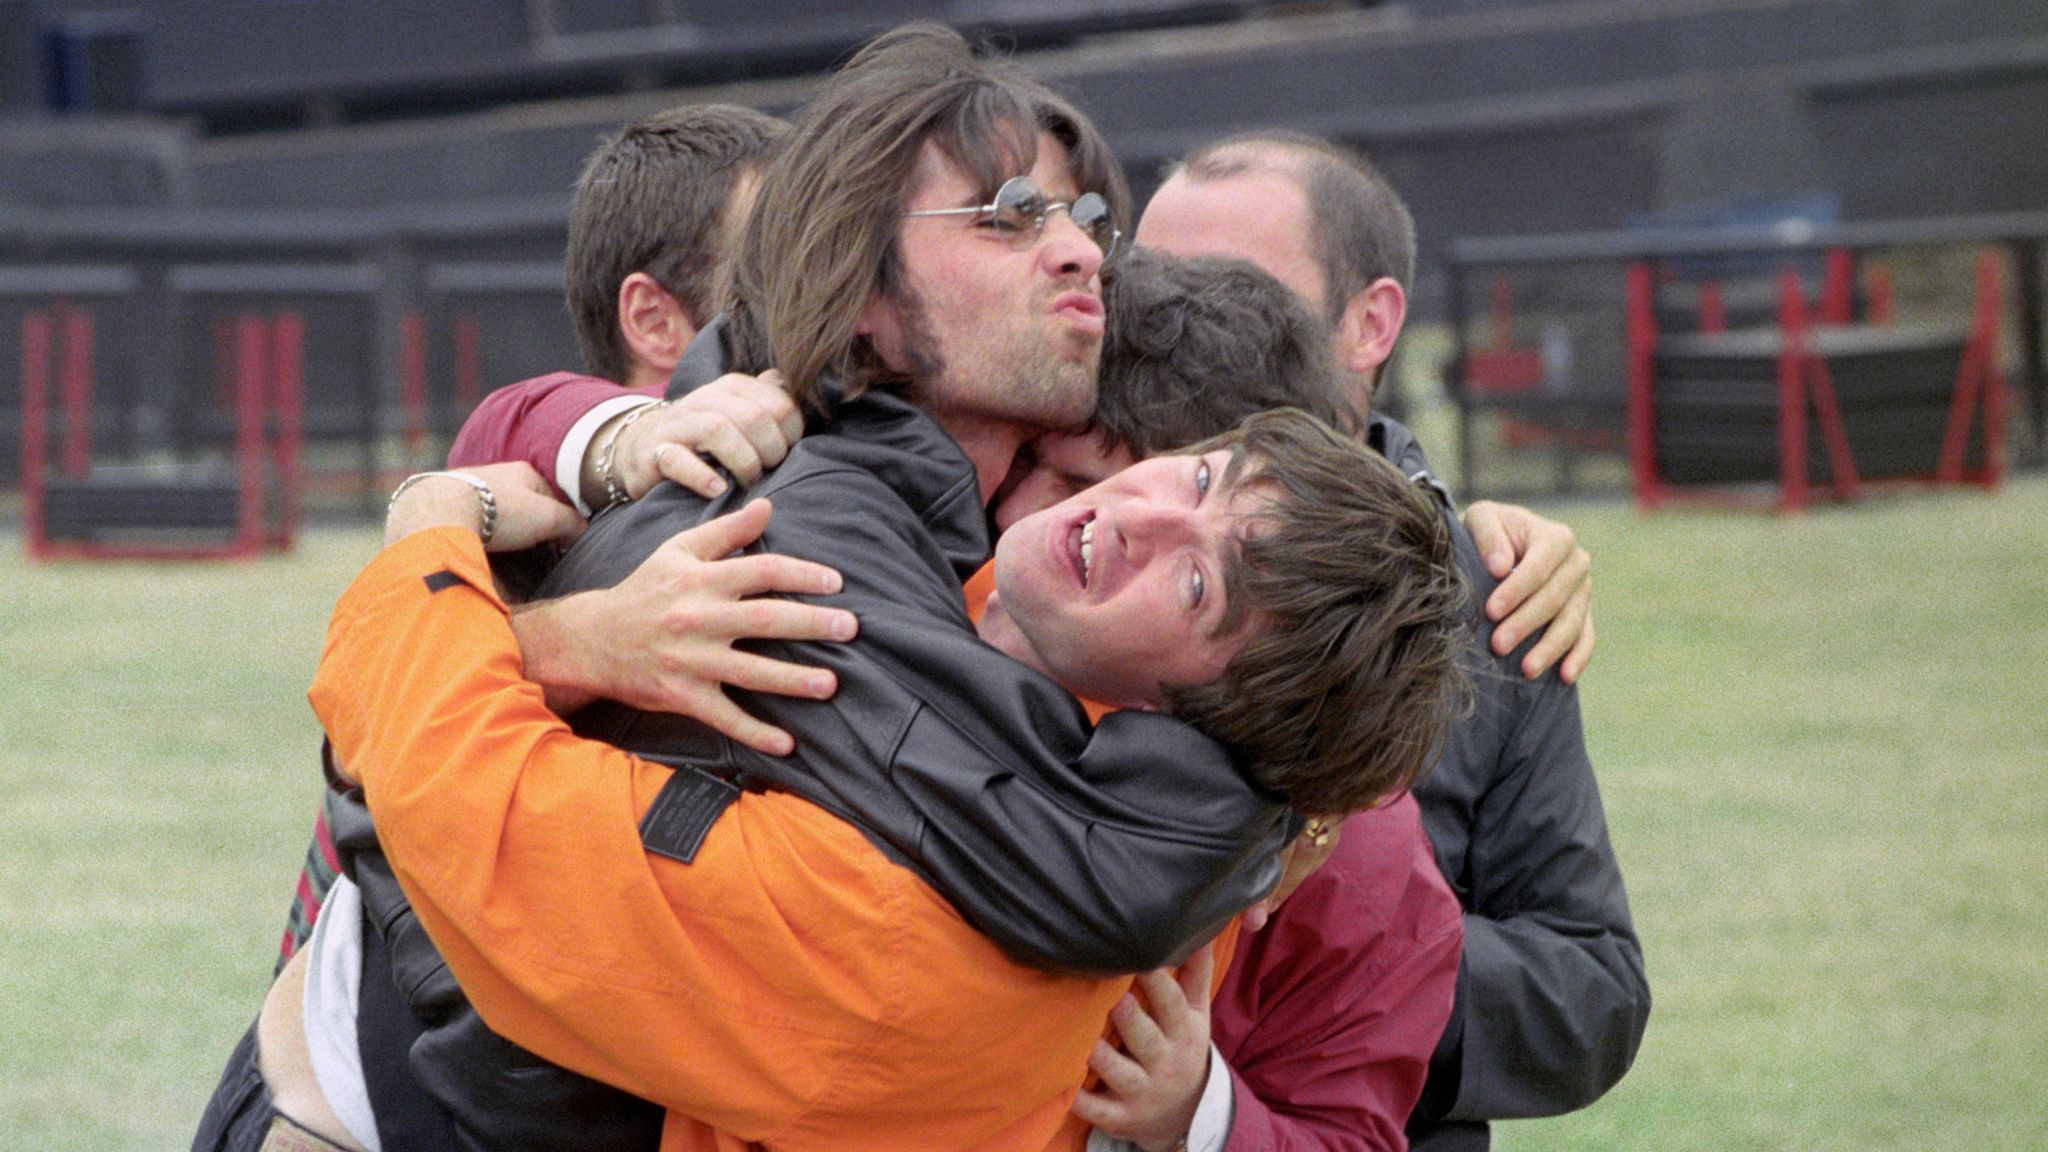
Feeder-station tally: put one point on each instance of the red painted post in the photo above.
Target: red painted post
(74, 375)
(1834, 434)
(1988, 310)
(1838, 275)
(1791, 393)
(252, 371)
(1642, 348)
(1978, 372)
(288, 364)
(35, 428)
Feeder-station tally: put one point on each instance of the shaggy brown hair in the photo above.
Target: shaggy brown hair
(822, 238)
(1359, 229)
(655, 198)
(1341, 696)
(1192, 347)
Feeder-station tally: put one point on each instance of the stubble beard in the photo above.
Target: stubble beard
(1021, 377)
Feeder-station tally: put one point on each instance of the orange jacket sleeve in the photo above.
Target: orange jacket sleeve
(790, 986)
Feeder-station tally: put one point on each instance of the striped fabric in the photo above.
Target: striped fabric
(315, 879)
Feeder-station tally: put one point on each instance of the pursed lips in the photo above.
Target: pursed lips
(1081, 309)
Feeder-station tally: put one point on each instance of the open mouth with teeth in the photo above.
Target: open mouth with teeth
(1084, 548)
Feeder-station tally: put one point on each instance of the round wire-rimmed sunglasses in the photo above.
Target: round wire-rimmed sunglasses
(1020, 211)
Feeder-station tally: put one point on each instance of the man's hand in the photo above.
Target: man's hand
(1149, 1091)
(662, 640)
(527, 512)
(1546, 584)
(746, 423)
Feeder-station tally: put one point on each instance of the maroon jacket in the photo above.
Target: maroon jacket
(1329, 1014)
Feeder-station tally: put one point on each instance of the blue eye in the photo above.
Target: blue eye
(1201, 481)
(1197, 586)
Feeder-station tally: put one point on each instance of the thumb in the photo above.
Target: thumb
(1197, 976)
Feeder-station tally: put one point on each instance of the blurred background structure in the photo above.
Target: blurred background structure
(388, 182)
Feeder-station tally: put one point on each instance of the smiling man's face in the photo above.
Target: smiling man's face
(1119, 591)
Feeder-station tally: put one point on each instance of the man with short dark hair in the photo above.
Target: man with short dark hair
(650, 223)
(651, 226)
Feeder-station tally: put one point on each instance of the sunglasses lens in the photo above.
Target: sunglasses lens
(1018, 206)
(1090, 214)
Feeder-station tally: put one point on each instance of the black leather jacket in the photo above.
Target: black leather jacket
(1111, 849)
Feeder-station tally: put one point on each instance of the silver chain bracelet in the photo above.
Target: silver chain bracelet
(613, 494)
(487, 498)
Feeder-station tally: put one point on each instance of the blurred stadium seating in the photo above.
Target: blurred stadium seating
(404, 137)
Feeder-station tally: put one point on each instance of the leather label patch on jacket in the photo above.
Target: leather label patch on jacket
(688, 805)
(442, 581)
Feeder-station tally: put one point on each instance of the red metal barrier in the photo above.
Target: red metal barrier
(1978, 378)
(287, 398)
(35, 430)
(252, 374)
(1641, 323)
(1838, 287)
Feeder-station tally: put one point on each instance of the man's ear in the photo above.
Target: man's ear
(654, 323)
(1369, 325)
(881, 325)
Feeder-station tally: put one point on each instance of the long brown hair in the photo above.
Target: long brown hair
(822, 238)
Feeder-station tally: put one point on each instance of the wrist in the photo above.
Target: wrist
(590, 476)
(551, 651)
(441, 500)
(605, 481)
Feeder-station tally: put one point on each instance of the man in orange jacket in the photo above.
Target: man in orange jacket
(789, 985)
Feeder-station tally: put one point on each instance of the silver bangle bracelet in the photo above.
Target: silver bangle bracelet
(487, 498)
(613, 493)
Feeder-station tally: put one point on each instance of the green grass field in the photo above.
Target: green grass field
(1822, 742)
